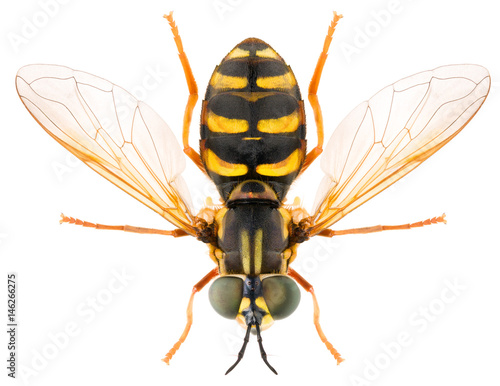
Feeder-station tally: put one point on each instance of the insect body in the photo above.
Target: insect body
(253, 146)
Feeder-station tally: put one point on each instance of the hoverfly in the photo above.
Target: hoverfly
(253, 146)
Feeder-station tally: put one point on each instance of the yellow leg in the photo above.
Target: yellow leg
(189, 313)
(193, 94)
(313, 98)
(309, 288)
(125, 228)
(380, 228)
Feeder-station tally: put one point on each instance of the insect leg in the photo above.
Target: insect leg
(309, 288)
(193, 94)
(189, 312)
(126, 228)
(313, 90)
(380, 228)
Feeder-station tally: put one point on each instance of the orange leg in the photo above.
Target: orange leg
(198, 286)
(313, 98)
(309, 288)
(193, 94)
(380, 228)
(126, 228)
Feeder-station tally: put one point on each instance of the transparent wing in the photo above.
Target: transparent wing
(119, 137)
(386, 137)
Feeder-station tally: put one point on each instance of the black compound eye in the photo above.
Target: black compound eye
(282, 296)
(225, 296)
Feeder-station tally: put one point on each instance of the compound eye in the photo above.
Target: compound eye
(282, 296)
(225, 296)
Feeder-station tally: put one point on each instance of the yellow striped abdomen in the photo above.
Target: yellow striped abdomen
(252, 121)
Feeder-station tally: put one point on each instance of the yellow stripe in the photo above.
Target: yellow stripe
(251, 96)
(220, 215)
(220, 220)
(219, 124)
(261, 303)
(286, 124)
(294, 253)
(238, 53)
(267, 53)
(286, 218)
(257, 254)
(215, 164)
(277, 82)
(211, 252)
(245, 303)
(267, 320)
(224, 81)
(251, 138)
(287, 166)
(245, 252)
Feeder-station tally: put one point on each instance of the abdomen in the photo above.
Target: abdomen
(252, 121)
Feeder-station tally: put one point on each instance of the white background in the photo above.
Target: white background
(370, 287)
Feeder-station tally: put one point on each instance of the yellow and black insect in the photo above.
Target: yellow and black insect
(253, 146)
